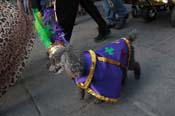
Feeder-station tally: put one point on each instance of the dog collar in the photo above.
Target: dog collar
(54, 47)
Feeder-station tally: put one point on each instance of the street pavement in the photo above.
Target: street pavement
(42, 93)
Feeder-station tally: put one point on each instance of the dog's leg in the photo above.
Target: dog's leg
(97, 101)
(124, 77)
(137, 70)
(81, 93)
(133, 65)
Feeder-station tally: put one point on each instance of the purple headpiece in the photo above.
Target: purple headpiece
(49, 20)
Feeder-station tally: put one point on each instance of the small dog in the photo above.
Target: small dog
(102, 72)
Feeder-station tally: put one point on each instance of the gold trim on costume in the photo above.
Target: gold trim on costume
(53, 48)
(103, 59)
(129, 48)
(91, 72)
(92, 69)
(100, 97)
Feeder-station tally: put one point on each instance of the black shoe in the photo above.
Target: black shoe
(121, 22)
(102, 35)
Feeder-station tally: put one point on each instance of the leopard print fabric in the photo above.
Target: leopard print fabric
(16, 41)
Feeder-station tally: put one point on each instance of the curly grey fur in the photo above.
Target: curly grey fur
(71, 60)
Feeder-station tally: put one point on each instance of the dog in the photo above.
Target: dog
(97, 74)
(100, 72)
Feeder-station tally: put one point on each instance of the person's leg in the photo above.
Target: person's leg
(122, 12)
(91, 9)
(25, 6)
(119, 8)
(110, 16)
(20, 5)
(43, 5)
(29, 7)
(36, 4)
(49, 3)
(66, 11)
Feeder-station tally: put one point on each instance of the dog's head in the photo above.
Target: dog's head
(66, 58)
(55, 53)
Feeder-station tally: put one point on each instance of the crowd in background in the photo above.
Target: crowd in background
(67, 11)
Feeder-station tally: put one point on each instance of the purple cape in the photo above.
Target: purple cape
(105, 70)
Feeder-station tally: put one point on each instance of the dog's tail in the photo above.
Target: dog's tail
(132, 35)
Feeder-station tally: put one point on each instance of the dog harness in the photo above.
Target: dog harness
(105, 69)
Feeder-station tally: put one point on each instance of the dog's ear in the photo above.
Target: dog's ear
(132, 35)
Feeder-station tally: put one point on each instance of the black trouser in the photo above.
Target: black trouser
(67, 10)
(36, 4)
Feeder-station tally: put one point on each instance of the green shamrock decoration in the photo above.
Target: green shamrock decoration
(110, 51)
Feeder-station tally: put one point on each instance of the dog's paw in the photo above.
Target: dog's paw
(59, 71)
(97, 101)
(81, 98)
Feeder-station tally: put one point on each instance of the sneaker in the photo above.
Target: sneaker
(102, 35)
(121, 22)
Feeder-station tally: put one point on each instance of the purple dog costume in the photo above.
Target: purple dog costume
(105, 69)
